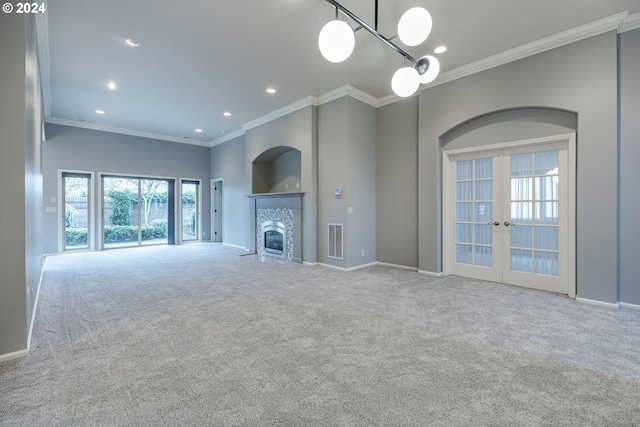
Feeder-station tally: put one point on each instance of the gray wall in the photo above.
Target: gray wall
(104, 152)
(347, 160)
(565, 78)
(297, 130)
(332, 173)
(227, 162)
(361, 183)
(629, 178)
(397, 183)
(286, 172)
(20, 172)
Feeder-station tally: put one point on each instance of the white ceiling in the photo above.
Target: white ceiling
(199, 59)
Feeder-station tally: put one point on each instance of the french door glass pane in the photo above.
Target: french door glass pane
(464, 212)
(76, 212)
(484, 234)
(484, 168)
(521, 188)
(521, 236)
(484, 190)
(522, 165)
(484, 212)
(521, 212)
(189, 211)
(484, 256)
(464, 233)
(546, 263)
(546, 162)
(546, 213)
(546, 238)
(464, 170)
(547, 188)
(464, 254)
(521, 260)
(464, 190)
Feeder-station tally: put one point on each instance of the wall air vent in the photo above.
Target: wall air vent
(334, 242)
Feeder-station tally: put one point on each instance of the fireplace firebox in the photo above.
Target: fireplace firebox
(274, 241)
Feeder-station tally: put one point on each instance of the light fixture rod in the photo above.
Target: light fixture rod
(373, 31)
(376, 18)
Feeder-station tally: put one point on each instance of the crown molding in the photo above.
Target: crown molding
(130, 132)
(42, 35)
(348, 90)
(582, 32)
(227, 137)
(631, 23)
(298, 105)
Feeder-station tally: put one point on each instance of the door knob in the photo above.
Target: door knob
(496, 223)
(507, 223)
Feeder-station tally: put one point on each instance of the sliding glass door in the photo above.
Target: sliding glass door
(135, 211)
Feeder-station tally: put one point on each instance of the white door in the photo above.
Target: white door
(510, 214)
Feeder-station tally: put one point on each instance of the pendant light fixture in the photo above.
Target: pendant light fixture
(337, 41)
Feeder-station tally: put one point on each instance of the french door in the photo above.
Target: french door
(510, 216)
(76, 194)
(190, 210)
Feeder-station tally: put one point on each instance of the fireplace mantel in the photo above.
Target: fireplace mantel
(275, 195)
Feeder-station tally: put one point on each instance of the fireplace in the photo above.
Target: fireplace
(274, 235)
(277, 225)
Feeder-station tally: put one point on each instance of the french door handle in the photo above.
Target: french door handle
(496, 223)
(507, 223)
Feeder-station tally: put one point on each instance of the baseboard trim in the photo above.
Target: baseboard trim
(35, 308)
(236, 246)
(627, 305)
(402, 267)
(310, 264)
(346, 270)
(596, 302)
(14, 355)
(430, 273)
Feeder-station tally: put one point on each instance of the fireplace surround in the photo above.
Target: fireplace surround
(277, 225)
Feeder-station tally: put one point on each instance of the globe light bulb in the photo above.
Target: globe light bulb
(414, 26)
(405, 82)
(336, 41)
(432, 72)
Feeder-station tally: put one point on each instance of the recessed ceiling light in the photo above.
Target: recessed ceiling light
(112, 86)
(133, 42)
(271, 90)
(440, 49)
(226, 114)
(99, 111)
(199, 130)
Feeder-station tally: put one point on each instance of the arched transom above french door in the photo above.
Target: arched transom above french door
(510, 213)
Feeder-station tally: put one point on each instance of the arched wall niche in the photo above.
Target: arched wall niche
(276, 170)
(508, 125)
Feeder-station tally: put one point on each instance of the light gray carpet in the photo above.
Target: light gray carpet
(198, 335)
